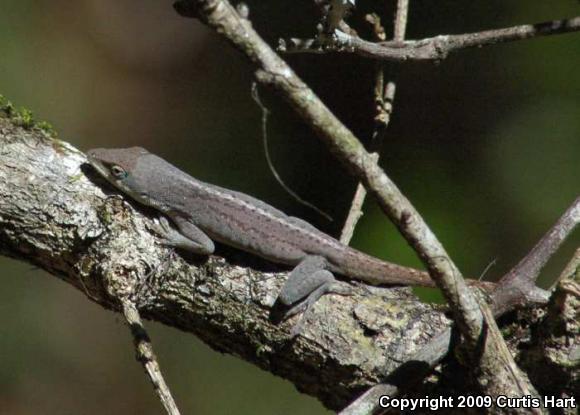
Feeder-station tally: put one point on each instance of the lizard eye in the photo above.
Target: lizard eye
(118, 172)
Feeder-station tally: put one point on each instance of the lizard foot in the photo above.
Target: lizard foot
(306, 306)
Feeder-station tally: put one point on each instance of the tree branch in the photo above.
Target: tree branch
(53, 216)
(572, 269)
(384, 96)
(518, 285)
(430, 49)
(146, 356)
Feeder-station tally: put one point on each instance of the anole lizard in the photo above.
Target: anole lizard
(203, 212)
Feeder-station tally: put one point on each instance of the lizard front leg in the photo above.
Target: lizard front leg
(189, 237)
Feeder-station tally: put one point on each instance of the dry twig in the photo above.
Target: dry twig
(572, 269)
(430, 49)
(518, 285)
(146, 356)
(384, 98)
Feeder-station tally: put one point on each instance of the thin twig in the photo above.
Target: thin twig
(400, 26)
(383, 98)
(530, 266)
(572, 269)
(265, 114)
(146, 356)
(518, 285)
(430, 49)
(354, 214)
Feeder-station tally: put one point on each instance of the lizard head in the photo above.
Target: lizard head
(117, 165)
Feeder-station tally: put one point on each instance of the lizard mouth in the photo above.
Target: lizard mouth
(98, 166)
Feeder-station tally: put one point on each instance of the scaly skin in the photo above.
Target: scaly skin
(239, 220)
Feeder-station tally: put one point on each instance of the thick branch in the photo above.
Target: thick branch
(430, 49)
(53, 216)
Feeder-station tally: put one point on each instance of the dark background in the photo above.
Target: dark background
(486, 145)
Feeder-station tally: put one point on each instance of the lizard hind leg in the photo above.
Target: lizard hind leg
(305, 285)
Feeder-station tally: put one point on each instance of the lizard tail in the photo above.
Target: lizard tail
(377, 272)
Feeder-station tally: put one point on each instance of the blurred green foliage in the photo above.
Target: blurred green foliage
(485, 144)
